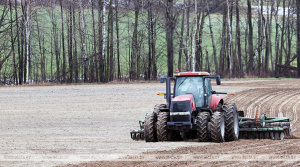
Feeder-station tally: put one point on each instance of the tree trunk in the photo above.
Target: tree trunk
(230, 40)
(55, 36)
(250, 39)
(135, 46)
(43, 70)
(111, 45)
(170, 26)
(213, 42)
(289, 43)
(276, 40)
(85, 60)
(28, 34)
(187, 44)
(13, 42)
(118, 39)
(63, 42)
(70, 43)
(238, 39)
(181, 46)
(222, 51)
(75, 61)
(149, 40)
(298, 37)
(282, 35)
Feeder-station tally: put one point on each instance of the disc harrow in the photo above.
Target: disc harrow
(138, 134)
(275, 128)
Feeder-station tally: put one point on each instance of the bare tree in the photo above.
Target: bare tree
(83, 47)
(170, 23)
(298, 37)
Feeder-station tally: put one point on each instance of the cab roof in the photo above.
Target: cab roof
(191, 74)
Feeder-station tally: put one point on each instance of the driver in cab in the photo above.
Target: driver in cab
(193, 88)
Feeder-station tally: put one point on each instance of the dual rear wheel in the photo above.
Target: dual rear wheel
(220, 126)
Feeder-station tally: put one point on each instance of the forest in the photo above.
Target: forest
(76, 41)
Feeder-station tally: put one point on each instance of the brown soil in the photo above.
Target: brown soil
(94, 120)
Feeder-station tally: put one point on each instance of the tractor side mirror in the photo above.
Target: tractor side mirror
(162, 79)
(218, 80)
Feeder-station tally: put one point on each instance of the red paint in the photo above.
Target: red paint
(192, 73)
(215, 100)
(186, 97)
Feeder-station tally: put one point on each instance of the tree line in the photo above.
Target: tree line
(71, 41)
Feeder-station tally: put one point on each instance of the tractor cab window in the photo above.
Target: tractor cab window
(208, 87)
(191, 85)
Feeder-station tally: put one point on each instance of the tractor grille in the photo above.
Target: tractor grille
(180, 111)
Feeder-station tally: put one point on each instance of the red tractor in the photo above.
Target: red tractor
(193, 111)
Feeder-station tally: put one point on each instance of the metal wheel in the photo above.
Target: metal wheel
(272, 135)
(261, 135)
(282, 135)
(138, 136)
(277, 136)
(133, 136)
(267, 135)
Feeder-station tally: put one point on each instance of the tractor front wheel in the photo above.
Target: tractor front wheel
(202, 126)
(162, 129)
(217, 127)
(150, 127)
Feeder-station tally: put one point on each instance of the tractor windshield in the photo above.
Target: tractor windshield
(191, 85)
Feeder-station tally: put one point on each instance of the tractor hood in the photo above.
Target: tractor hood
(183, 97)
(187, 98)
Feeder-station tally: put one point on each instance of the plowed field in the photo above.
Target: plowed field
(88, 125)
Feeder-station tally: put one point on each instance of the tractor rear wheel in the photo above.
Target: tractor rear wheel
(162, 129)
(202, 126)
(217, 127)
(150, 127)
(231, 122)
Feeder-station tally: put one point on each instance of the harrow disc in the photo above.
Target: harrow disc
(133, 136)
(282, 135)
(138, 136)
(261, 135)
(267, 135)
(277, 136)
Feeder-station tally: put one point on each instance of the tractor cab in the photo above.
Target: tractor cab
(197, 84)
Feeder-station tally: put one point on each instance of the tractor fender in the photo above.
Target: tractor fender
(213, 101)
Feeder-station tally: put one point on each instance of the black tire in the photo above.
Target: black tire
(217, 127)
(150, 127)
(202, 126)
(231, 122)
(162, 129)
(157, 108)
